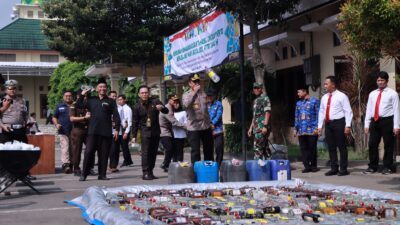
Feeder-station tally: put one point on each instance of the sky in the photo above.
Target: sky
(6, 11)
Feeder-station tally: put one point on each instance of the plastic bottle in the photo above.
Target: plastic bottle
(213, 76)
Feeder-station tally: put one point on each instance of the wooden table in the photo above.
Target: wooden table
(46, 163)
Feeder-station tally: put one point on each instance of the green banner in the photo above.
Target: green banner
(31, 2)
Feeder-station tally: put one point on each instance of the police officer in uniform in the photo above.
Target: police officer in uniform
(260, 127)
(14, 119)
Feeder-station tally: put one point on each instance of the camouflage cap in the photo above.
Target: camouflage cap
(174, 98)
(194, 77)
(257, 85)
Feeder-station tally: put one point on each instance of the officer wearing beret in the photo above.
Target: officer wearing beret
(14, 119)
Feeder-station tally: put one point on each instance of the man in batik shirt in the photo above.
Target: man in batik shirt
(306, 128)
(260, 125)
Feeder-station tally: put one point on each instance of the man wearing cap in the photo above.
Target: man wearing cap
(198, 120)
(260, 127)
(166, 122)
(14, 118)
(146, 118)
(101, 109)
(215, 110)
(306, 128)
(63, 124)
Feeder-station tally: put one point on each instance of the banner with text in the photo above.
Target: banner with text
(203, 44)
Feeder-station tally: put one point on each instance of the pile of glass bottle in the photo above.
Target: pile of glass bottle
(250, 205)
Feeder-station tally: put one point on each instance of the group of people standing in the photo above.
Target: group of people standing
(334, 111)
(106, 124)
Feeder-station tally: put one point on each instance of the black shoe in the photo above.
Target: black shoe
(162, 166)
(92, 173)
(387, 171)
(152, 176)
(331, 173)
(147, 177)
(166, 170)
(307, 170)
(314, 170)
(369, 171)
(77, 173)
(82, 178)
(102, 178)
(343, 173)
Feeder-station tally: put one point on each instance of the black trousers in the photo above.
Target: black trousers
(378, 129)
(102, 144)
(115, 149)
(219, 148)
(77, 137)
(206, 137)
(177, 155)
(149, 153)
(15, 134)
(335, 138)
(168, 144)
(308, 147)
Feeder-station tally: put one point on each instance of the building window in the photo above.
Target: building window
(40, 14)
(336, 40)
(284, 53)
(8, 57)
(293, 53)
(30, 14)
(277, 58)
(49, 58)
(41, 88)
(302, 48)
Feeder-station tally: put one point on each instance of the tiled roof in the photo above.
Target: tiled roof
(23, 34)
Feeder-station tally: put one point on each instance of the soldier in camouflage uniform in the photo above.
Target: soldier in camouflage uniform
(260, 126)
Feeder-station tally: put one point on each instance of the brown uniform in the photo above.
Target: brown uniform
(78, 136)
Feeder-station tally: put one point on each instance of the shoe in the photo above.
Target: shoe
(369, 171)
(152, 176)
(102, 178)
(92, 173)
(343, 173)
(126, 164)
(307, 170)
(147, 177)
(82, 178)
(66, 168)
(387, 171)
(314, 170)
(331, 173)
(166, 170)
(114, 170)
(162, 166)
(77, 173)
(30, 177)
(130, 165)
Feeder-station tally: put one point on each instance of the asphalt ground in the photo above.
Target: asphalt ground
(21, 206)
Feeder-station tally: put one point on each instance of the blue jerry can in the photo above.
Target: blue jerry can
(206, 171)
(280, 169)
(258, 170)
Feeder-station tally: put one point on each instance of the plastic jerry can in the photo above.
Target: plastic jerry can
(206, 171)
(232, 171)
(180, 173)
(258, 170)
(280, 170)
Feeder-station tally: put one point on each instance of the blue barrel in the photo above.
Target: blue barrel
(206, 171)
(280, 169)
(258, 170)
(232, 171)
(180, 173)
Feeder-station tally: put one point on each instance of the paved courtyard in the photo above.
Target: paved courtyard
(23, 206)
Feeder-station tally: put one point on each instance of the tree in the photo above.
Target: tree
(124, 31)
(254, 13)
(67, 76)
(371, 27)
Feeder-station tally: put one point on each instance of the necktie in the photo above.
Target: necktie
(328, 107)
(378, 102)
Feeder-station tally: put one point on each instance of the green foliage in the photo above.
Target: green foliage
(67, 76)
(130, 90)
(233, 138)
(371, 27)
(128, 31)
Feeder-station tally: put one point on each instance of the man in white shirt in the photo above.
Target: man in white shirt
(336, 112)
(125, 114)
(382, 120)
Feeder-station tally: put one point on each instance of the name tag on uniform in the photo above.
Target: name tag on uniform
(196, 106)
